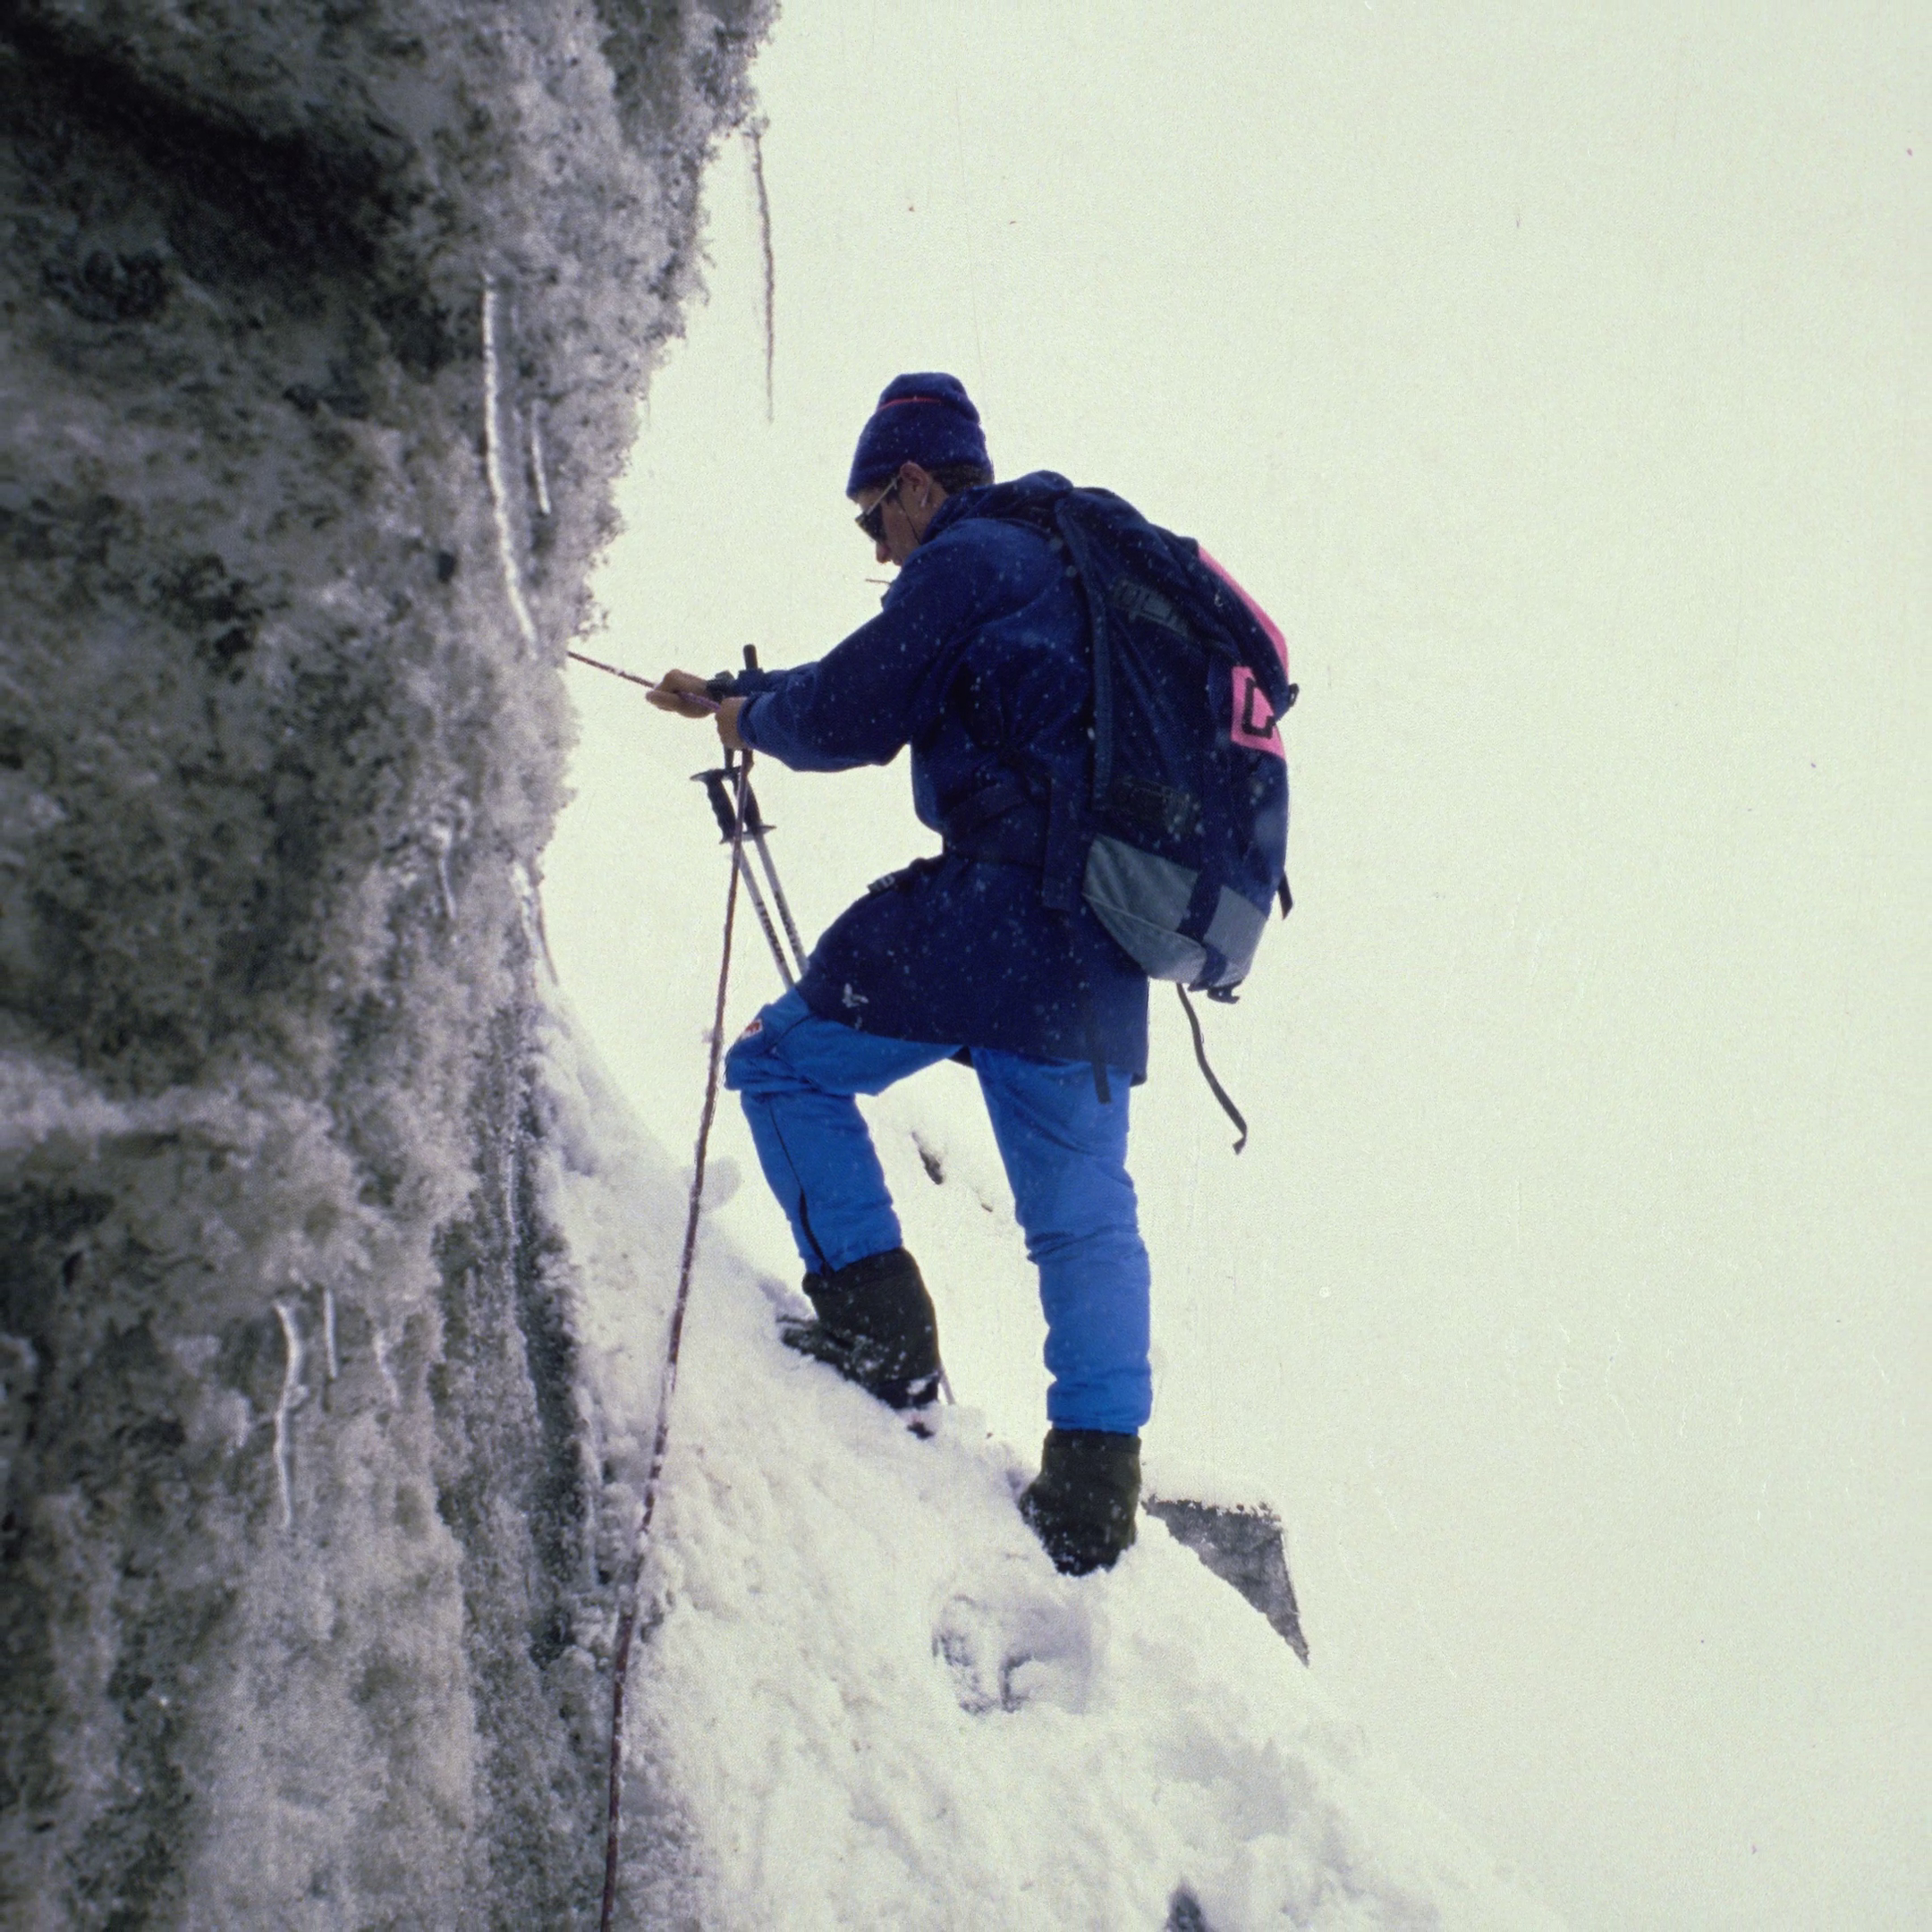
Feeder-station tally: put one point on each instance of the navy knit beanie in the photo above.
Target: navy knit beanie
(927, 419)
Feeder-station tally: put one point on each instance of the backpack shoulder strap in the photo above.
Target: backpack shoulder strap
(1162, 578)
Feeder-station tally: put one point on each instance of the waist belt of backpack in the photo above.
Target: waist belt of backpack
(1002, 824)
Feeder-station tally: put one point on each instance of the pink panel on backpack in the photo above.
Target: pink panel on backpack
(1253, 727)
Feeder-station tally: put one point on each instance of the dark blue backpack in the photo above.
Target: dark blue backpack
(1180, 846)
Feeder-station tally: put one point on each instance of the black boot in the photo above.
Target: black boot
(1081, 1505)
(876, 1326)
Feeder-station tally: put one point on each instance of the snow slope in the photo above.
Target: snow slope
(864, 1696)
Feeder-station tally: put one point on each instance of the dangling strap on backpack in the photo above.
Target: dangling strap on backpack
(1089, 1024)
(1207, 1073)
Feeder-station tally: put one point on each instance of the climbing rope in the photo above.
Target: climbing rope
(629, 677)
(627, 1618)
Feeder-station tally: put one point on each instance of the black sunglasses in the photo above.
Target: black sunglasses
(872, 521)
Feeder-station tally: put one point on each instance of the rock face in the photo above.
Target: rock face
(322, 328)
(1242, 1545)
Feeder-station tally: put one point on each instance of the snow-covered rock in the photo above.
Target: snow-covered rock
(322, 329)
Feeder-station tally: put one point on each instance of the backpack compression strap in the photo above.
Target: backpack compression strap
(1207, 1073)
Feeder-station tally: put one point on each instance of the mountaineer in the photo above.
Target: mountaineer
(980, 662)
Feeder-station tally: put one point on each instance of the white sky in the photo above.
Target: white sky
(1551, 376)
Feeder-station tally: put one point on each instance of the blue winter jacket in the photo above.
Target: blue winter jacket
(979, 661)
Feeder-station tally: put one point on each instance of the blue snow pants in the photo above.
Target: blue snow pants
(1066, 1155)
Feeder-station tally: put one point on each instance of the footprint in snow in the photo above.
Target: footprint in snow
(1019, 1641)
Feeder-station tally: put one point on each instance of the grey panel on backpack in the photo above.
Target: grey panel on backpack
(1235, 931)
(1142, 899)
(1141, 882)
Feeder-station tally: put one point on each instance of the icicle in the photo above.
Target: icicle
(754, 139)
(290, 1395)
(442, 837)
(512, 1227)
(492, 465)
(380, 1349)
(538, 473)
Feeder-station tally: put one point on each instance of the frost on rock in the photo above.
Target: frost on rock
(310, 1504)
